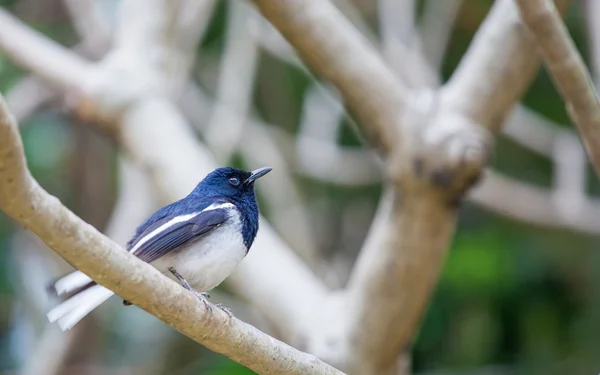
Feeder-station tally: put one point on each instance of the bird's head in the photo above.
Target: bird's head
(230, 182)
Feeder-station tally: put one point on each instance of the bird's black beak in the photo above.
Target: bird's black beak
(256, 174)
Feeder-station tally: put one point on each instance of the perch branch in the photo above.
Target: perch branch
(155, 135)
(105, 262)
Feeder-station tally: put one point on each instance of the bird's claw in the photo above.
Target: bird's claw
(203, 297)
(227, 310)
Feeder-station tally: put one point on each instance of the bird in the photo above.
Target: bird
(197, 241)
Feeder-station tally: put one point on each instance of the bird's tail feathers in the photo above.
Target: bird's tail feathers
(71, 282)
(72, 310)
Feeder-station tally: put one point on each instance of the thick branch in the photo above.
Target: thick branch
(108, 264)
(407, 241)
(567, 69)
(490, 79)
(332, 46)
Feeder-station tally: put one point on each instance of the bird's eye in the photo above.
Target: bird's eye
(234, 181)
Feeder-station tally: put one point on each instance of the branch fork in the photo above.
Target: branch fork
(443, 150)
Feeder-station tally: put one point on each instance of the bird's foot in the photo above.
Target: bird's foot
(127, 303)
(227, 310)
(202, 296)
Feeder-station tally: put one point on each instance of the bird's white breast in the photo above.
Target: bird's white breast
(207, 262)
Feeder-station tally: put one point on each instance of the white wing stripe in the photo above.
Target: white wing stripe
(176, 220)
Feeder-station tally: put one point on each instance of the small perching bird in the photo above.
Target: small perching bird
(197, 241)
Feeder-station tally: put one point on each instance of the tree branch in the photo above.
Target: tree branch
(534, 205)
(27, 96)
(592, 12)
(489, 79)
(331, 46)
(54, 63)
(236, 81)
(90, 24)
(407, 240)
(401, 43)
(568, 71)
(108, 264)
(436, 29)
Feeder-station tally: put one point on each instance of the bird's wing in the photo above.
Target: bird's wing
(172, 232)
(163, 215)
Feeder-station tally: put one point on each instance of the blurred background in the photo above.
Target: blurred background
(519, 293)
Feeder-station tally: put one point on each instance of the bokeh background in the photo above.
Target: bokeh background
(514, 297)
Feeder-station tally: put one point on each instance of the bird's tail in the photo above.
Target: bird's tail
(76, 307)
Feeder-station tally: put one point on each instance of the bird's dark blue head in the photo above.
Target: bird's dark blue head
(235, 186)
(230, 183)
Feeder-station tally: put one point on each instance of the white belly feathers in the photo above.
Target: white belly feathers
(207, 262)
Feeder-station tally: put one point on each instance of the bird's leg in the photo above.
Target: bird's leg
(201, 296)
(227, 310)
(126, 303)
